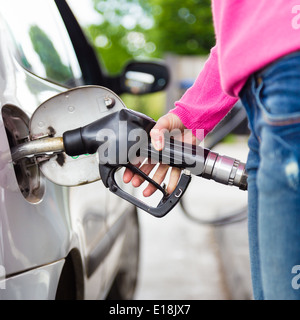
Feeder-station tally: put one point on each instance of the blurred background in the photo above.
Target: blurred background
(200, 251)
(178, 32)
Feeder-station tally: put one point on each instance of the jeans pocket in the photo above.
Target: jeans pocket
(279, 98)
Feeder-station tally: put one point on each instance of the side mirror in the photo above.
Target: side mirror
(144, 77)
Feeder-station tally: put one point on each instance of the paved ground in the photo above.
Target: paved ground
(181, 259)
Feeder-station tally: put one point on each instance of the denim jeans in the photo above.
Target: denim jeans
(272, 100)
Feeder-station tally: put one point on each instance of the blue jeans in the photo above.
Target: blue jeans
(272, 100)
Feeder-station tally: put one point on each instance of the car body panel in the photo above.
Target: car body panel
(37, 284)
(30, 236)
(37, 236)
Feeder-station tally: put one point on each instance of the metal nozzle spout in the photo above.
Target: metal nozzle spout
(37, 147)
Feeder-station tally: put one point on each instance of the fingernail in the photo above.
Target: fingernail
(157, 144)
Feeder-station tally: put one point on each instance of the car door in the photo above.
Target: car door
(40, 221)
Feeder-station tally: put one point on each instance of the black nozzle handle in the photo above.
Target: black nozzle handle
(178, 154)
(200, 162)
(167, 202)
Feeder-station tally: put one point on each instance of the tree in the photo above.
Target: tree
(120, 37)
(183, 27)
(134, 29)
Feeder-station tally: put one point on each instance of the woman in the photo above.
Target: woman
(256, 59)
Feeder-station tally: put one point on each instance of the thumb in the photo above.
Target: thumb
(164, 124)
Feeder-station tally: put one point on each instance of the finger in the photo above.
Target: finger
(128, 174)
(157, 132)
(158, 177)
(137, 180)
(167, 122)
(173, 181)
(188, 137)
(157, 138)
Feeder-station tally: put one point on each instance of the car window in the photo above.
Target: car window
(42, 44)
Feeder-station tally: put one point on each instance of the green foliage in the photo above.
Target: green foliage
(151, 104)
(108, 42)
(140, 29)
(120, 37)
(145, 29)
(182, 27)
(55, 69)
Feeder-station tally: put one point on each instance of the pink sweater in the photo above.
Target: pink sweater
(249, 35)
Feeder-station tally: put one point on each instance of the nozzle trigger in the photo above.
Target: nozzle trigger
(166, 204)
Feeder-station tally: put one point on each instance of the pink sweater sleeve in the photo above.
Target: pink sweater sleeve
(205, 104)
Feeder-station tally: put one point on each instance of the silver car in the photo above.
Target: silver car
(56, 242)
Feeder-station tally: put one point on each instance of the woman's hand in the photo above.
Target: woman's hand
(165, 124)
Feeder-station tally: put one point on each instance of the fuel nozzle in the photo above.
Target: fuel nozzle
(192, 159)
(199, 161)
